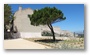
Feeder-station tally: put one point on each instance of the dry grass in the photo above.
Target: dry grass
(60, 43)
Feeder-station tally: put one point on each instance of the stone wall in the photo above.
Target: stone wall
(26, 30)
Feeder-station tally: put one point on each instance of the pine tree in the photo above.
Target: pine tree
(47, 16)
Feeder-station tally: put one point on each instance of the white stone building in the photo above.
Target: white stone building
(26, 30)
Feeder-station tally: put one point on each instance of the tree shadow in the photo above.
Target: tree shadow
(48, 40)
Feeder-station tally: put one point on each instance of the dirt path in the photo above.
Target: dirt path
(22, 44)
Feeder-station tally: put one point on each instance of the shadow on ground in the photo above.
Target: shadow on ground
(47, 40)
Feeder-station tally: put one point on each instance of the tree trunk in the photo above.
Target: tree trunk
(51, 28)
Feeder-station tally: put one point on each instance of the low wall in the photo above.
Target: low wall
(30, 34)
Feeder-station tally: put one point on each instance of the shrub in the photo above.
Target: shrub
(46, 33)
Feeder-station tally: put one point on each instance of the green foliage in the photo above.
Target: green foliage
(46, 16)
(8, 21)
(7, 13)
(46, 33)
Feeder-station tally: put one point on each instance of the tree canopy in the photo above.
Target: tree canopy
(47, 16)
(7, 13)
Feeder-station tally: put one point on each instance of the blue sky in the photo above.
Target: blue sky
(74, 14)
